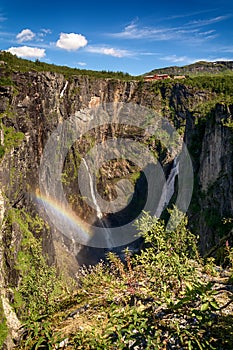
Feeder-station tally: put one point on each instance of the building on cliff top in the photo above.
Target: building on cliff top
(156, 77)
(162, 77)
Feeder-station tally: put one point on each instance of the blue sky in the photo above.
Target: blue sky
(129, 36)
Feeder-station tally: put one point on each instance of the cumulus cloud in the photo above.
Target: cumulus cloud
(27, 52)
(71, 41)
(109, 51)
(25, 35)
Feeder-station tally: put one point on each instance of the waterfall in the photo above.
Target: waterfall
(168, 188)
(170, 183)
(98, 210)
(107, 231)
(64, 89)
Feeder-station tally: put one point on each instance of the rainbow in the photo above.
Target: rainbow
(65, 219)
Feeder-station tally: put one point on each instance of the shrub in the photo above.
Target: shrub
(157, 299)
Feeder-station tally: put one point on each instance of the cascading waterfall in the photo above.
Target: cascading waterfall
(63, 90)
(170, 183)
(167, 193)
(107, 231)
(98, 210)
(169, 188)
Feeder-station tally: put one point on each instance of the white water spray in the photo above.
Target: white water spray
(168, 188)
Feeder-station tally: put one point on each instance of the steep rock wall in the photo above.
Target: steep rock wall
(215, 177)
(37, 102)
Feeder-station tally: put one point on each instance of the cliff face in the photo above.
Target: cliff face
(215, 176)
(34, 105)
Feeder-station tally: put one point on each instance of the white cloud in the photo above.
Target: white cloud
(109, 51)
(214, 59)
(71, 41)
(133, 32)
(188, 31)
(25, 35)
(178, 59)
(221, 59)
(44, 32)
(148, 53)
(206, 22)
(189, 60)
(190, 14)
(27, 52)
(82, 64)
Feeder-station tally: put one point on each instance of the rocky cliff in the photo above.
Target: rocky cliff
(34, 103)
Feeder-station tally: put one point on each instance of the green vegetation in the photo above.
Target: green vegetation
(12, 139)
(3, 325)
(229, 123)
(135, 176)
(39, 286)
(13, 63)
(197, 69)
(219, 84)
(158, 299)
(6, 81)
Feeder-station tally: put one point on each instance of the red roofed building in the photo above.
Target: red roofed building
(156, 77)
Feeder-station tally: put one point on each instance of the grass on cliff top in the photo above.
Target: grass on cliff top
(12, 62)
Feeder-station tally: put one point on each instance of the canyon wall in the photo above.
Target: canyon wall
(36, 103)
